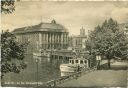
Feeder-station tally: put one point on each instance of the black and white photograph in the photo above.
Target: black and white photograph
(64, 43)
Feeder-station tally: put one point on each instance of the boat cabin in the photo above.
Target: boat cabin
(79, 61)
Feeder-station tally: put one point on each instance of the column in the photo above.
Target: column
(50, 40)
(37, 41)
(64, 40)
(57, 38)
(46, 40)
(60, 40)
(53, 40)
(40, 40)
(43, 40)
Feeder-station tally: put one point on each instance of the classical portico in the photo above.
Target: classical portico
(44, 36)
(53, 40)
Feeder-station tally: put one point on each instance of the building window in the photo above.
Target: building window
(81, 61)
(85, 61)
(76, 61)
(72, 61)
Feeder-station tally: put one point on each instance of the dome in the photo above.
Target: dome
(52, 27)
(53, 21)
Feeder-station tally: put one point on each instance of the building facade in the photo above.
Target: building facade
(78, 42)
(43, 36)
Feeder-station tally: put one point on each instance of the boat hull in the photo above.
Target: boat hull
(41, 55)
(64, 68)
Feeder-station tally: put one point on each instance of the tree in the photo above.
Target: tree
(108, 40)
(7, 6)
(12, 54)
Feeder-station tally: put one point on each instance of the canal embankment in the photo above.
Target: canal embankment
(85, 75)
(114, 77)
(99, 78)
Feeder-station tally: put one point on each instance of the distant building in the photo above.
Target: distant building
(78, 42)
(43, 36)
(82, 32)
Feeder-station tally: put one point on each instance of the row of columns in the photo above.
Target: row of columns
(50, 40)
(53, 37)
(45, 40)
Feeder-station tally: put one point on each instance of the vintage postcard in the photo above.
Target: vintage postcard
(64, 43)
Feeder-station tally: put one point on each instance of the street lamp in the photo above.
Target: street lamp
(37, 60)
(98, 58)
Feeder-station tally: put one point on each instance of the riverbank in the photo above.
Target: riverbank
(99, 78)
(115, 77)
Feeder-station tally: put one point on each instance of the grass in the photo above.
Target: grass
(100, 78)
(114, 77)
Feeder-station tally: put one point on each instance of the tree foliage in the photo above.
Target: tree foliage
(108, 40)
(12, 54)
(7, 6)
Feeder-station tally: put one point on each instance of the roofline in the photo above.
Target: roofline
(29, 29)
(39, 31)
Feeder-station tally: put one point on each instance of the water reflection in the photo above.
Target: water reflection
(48, 69)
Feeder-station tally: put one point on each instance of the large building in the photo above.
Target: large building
(43, 36)
(78, 42)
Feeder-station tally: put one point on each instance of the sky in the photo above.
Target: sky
(72, 14)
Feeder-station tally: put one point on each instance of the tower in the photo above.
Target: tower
(82, 32)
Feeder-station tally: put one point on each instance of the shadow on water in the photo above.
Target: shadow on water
(48, 69)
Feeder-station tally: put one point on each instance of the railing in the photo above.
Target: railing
(60, 80)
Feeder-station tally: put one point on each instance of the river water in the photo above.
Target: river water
(46, 69)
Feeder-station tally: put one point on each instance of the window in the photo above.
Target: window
(81, 61)
(76, 61)
(85, 61)
(72, 61)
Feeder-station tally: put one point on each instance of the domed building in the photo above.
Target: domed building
(43, 36)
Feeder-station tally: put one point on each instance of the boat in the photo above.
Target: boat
(41, 54)
(74, 65)
(37, 54)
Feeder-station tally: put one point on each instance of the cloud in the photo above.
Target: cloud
(73, 15)
(120, 14)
